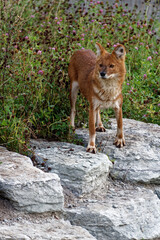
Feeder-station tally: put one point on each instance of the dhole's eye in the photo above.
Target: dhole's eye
(111, 66)
(101, 65)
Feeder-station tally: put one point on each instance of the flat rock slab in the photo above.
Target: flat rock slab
(28, 188)
(139, 160)
(54, 230)
(128, 212)
(79, 171)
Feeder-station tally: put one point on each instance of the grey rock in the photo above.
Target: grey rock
(81, 172)
(127, 213)
(139, 160)
(28, 188)
(54, 230)
(157, 191)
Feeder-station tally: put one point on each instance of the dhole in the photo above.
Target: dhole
(100, 79)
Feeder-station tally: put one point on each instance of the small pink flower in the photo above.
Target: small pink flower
(39, 52)
(92, 20)
(101, 10)
(41, 72)
(82, 35)
(58, 22)
(127, 83)
(130, 27)
(158, 104)
(145, 76)
(32, 16)
(136, 48)
(26, 37)
(149, 58)
(115, 45)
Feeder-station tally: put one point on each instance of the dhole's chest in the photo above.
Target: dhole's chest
(107, 94)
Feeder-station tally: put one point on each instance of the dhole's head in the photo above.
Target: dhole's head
(110, 65)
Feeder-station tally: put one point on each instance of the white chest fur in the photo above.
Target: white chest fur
(105, 97)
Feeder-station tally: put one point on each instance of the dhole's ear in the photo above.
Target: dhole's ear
(119, 51)
(100, 49)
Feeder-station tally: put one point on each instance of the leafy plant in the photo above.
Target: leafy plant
(37, 39)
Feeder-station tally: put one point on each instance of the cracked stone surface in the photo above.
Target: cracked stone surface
(139, 160)
(27, 187)
(53, 230)
(79, 171)
(127, 212)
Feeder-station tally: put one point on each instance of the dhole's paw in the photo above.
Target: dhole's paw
(100, 129)
(91, 149)
(119, 142)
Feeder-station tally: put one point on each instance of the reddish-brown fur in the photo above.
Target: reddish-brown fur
(100, 79)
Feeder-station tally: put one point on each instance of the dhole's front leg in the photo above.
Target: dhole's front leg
(99, 127)
(92, 134)
(120, 141)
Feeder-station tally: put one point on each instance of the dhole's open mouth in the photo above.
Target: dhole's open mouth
(106, 76)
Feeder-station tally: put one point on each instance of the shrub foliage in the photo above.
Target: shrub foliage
(36, 42)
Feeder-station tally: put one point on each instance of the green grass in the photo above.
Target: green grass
(37, 39)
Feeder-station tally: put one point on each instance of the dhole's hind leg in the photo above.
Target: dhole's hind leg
(92, 135)
(73, 97)
(99, 124)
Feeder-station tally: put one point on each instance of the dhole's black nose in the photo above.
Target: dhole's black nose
(102, 74)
